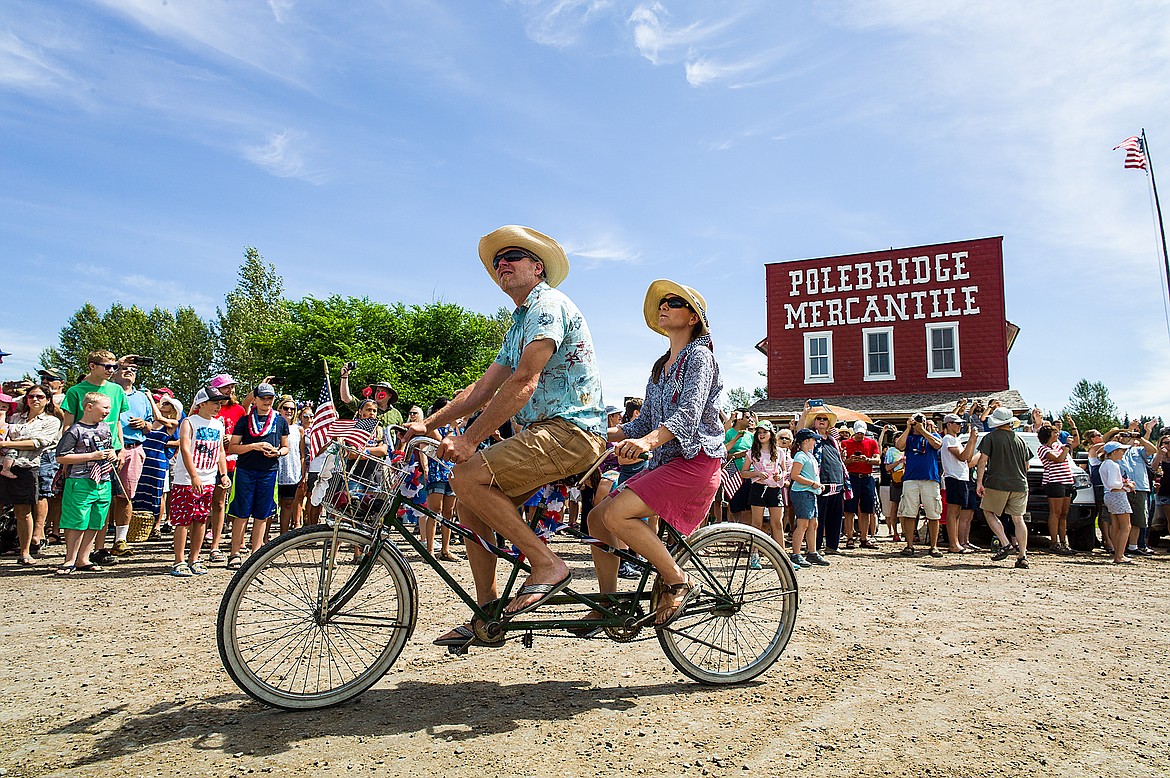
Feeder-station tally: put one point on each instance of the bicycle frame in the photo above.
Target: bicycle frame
(616, 609)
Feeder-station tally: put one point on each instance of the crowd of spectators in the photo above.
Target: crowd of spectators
(76, 463)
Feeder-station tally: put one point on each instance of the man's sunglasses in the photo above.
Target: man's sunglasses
(106, 365)
(675, 302)
(512, 257)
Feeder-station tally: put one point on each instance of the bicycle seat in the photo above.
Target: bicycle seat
(574, 481)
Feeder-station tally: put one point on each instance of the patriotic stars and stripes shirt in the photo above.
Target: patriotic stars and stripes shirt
(85, 439)
(207, 436)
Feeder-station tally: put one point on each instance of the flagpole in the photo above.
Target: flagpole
(1157, 209)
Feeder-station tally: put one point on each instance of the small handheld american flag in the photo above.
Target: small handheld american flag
(326, 414)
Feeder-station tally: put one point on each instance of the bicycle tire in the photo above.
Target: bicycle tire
(270, 642)
(719, 642)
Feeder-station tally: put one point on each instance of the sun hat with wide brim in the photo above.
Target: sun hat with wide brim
(815, 410)
(556, 264)
(663, 287)
(1001, 416)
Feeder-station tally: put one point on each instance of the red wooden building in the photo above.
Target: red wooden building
(923, 321)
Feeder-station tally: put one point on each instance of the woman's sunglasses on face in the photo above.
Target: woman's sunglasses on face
(674, 302)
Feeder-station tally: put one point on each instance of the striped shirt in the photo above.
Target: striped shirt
(1055, 472)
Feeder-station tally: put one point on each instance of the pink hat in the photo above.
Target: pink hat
(4, 398)
(222, 380)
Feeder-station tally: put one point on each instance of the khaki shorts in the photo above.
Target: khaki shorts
(1004, 503)
(540, 454)
(928, 494)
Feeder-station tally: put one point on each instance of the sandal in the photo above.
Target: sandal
(447, 556)
(90, 568)
(588, 630)
(234, 562)
(215, 555)
(65, 570)
(53, 539)
(545, 590)
(464, 635)
(681, 594)
(27, 561)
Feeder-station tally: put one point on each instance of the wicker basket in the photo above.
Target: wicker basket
(141, 523)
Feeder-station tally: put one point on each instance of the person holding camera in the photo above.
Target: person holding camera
(1161, 465)
(831, 498)
(861, 454)
(920, 486)
(382, 393)
(957, 461)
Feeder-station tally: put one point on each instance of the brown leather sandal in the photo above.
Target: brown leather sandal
(680, 595)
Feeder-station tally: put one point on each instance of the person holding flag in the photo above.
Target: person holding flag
(86, 449)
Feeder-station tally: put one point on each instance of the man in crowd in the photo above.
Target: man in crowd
(831, 502)
(102, 366)
(920, 487)
(546, 376)
(861, 454)
(135, 423)
(381, 393)
(1002, 482)
(53, 382)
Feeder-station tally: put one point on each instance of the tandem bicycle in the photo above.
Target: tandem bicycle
(300, 627)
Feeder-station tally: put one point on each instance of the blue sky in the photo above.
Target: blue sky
(365, 147)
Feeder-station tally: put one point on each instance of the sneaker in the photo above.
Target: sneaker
(935, 552)
(1022, 563)
(754, 561)
(121, 548)
(798, 561)
(628, 571)
(101, 557)
(1001, 555)
(817, 559)
(181, 570)
(197, 568)
(908, 551)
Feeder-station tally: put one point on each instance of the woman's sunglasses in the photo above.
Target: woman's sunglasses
(290, 408)
(675, 302)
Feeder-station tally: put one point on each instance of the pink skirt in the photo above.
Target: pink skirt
(680, 491)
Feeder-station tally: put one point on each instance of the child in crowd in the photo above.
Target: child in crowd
(87, 450)
(806, 485)
(199, 468)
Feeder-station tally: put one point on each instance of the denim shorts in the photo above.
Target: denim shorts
(804, 504)
(440, 487)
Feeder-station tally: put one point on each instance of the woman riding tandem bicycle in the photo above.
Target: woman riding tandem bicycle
(298, 629)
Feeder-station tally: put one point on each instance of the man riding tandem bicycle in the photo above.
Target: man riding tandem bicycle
(298, 629)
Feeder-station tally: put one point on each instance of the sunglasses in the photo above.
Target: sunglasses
(291, 408)
(675, 302)
(821, 418)
(129, 369)
(106, 365)
(35, 397)
(511, 257)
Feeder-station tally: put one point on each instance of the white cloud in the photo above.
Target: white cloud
(603, 250)
(658, 41)
(280, 9)
(282, 154)
(27, 67)
(560, 23)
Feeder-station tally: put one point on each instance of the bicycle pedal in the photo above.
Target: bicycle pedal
(527, 640)
(458, 650)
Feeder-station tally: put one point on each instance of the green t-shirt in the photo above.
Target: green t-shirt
(75, 399)
(1007, 461)
(740, 446)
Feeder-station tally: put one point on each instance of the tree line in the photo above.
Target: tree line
(424, 351)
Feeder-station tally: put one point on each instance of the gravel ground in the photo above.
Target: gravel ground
(898, 667)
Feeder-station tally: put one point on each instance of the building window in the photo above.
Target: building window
(878, 345)
(942, 350)
(818, 357)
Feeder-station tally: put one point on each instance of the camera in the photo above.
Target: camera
(918, 418)
(351, 365)
(143, 361)
(278, 379)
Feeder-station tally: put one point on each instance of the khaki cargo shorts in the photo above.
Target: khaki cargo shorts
(540, 454)
(1003, 503)
(927, 494)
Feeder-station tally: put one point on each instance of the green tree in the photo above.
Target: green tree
(1091, 407)
(254, 311)
(179, 343)
(740, 397)
(425, 351)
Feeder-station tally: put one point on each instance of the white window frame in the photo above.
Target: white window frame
(930, 330)
(865, 333)
(809, 378)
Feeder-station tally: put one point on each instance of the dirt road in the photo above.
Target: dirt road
(898, 667)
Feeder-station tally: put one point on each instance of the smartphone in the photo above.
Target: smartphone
(144, 361)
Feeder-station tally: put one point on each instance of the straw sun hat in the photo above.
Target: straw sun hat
(663, 287)
(552, 256)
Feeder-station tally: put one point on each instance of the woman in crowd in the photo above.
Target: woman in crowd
(160, 447)
(766, 467)
(1058, 485)
(1161, 467)
(30, 434)
(290, 468)
(784, 513)
(440, 496)
(1117, 489)
(680, 424)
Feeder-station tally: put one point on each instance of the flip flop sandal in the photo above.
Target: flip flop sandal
(90, 568)
(546, 592)
(27, 561)
(65, 570)
(688, 590)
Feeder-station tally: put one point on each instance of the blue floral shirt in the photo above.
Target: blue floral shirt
(686, 402)
(569, 386)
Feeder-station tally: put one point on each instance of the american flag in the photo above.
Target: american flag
(101, 469)
(1135, 154)
(355, 432)
(325, 415)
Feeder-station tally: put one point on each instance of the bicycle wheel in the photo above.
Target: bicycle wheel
(277, 648)
(742, 621)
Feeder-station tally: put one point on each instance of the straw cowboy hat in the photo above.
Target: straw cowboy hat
(818, 409)
(552, 256)
(663, 287)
